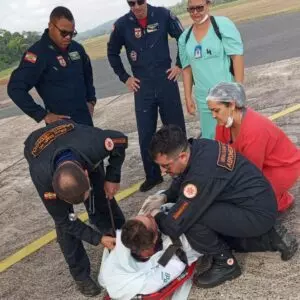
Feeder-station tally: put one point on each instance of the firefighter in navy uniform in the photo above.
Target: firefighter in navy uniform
(61, 72)
(222, 202)
(144, 33)
(63, 157)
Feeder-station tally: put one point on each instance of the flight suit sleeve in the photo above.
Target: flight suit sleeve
(88, 78)
(175, 29)
(114, 46)
(196, 195)
(22, 80)
(60, 212)
(114, 144)
(173, 191)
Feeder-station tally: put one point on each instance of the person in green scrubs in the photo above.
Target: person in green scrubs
(206, 59)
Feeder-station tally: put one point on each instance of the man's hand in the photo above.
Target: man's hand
(50, 118)
(173, 73)
(91, 107)
(108, 242)
(190, 106)
(133, 84)
(151, 203)
(110, 189)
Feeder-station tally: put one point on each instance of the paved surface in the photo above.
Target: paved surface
(270, 39)
(44, 275)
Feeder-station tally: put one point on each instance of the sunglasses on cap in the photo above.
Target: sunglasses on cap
(65, 33)
(138, 2)
(193, 9)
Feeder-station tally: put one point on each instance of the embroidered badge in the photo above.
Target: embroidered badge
(74, 55)
(30, 57)
(61, 61)
(120, 142)
(133, 56)
(152, 27)
(138, 32)
(109, 144)
(230, 261)
(49, 196)
(227, 157)
(49, 136)
(180, 210)
(190, 191)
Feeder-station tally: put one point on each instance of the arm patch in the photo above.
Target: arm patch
(227, 157)
(180, 210)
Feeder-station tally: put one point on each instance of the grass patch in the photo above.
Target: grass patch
(4, 75)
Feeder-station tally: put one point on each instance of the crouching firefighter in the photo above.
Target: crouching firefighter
(222, 203)
(66, 166)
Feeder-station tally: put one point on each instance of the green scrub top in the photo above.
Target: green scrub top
(209, 59)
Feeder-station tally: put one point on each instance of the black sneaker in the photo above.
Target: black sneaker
(88, 287)
(283, 242)
(224, 267)
(148, 184)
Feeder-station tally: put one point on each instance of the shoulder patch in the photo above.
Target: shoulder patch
(30, 57)
(109, 144)
(49, 136)
(227, 157)
(120, 142)
(49, 196)
(180, 210)
(190, 191)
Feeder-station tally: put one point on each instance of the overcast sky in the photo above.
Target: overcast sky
(32, 15)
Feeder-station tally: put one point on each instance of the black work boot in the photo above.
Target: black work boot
(224, 267)
(282, 241)
(148, 184)
(88, 287)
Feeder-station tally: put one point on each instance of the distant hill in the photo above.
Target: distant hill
(178, 9)
(97, 31)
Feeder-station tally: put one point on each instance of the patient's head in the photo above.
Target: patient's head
(140, 235)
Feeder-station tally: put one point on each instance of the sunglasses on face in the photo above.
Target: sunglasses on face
(65, 33)
(193, 9)
(138, 2)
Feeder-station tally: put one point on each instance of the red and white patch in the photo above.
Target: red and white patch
(61, 61)
(190, 191)
(138, 33)
(133, 56)
(30, 57)
(230, 261)
(109, 144)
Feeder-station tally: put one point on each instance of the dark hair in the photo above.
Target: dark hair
(168, 140)
(136, 236)
(70, 183)
(61, 12)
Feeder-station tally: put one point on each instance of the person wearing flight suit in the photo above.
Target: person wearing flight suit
(144, 33)
(63, 158)
(222, 202)
(61, 72)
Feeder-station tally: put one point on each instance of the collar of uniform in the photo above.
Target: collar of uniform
(150, 14)
(50, 44)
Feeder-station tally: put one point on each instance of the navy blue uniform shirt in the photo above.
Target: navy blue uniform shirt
(147, 48)
(63, 79)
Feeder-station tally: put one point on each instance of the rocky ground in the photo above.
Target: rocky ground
(44, 275)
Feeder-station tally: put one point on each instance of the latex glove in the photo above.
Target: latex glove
(152, 202)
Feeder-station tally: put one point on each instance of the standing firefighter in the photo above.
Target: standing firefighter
(65, 162)
(144, 33)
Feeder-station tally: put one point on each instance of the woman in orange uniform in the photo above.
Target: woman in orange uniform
(257, 138)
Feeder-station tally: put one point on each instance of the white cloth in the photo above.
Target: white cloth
(123, 277)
